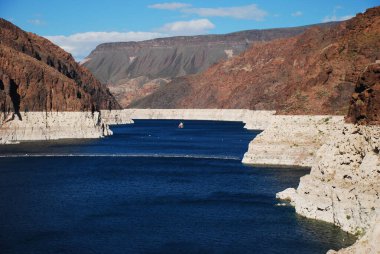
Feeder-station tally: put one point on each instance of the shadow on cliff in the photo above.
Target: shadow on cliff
(15, 98)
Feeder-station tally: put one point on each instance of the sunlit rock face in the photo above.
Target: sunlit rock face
(36, 75)
(312, 73)
(133, 70)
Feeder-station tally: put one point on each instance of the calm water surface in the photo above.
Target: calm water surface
(152, 188)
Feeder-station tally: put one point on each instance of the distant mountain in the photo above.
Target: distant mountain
(133, 70)
(36, 75)
(312, 73)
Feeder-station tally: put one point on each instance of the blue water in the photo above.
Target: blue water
(152, 188)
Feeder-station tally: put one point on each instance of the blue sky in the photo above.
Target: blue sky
(79, 25)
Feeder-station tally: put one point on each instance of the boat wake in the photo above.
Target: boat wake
(190, 156)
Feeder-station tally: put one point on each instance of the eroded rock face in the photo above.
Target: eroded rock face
(292, 141)
(51, 125)
(365, 102)
(36, 75)
(312, 73)
(343, 187)
(368, 244)
(122, 63)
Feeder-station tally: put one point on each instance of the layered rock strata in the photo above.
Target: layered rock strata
(133, 70)
(313, 73)
(51, 125)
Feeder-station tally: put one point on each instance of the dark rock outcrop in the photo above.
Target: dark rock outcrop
(365, 102)
(312, 73)
(133, 70)
(36, 75)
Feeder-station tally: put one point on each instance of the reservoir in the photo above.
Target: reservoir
(152, 188)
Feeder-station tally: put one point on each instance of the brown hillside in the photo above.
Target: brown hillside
(36, 75)
(365, 102)
(312, 73)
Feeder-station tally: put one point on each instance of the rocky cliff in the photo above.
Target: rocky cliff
(343, 186)
(52, 125)
(133, 70)
(36, 75)
(365, 102)
(312, 73)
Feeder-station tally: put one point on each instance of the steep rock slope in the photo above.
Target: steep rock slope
(365, 102)
(343, 186)
(36, 75)
(312, 73)
(134, 69)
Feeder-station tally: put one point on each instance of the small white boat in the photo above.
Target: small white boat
(180, 126)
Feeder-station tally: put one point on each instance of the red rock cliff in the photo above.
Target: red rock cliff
(312, 73)
(365, 101)
(36, 75)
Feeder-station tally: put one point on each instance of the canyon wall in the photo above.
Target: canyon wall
(133, 70)
(311, 73)
(50, 126)
(343, 186)
(36, 75)
(291, 141)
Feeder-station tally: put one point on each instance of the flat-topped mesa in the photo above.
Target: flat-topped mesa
(133, 70)
(312, 73)
(36, 75)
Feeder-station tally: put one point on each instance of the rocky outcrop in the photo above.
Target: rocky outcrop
(291, 141)
(36, 75)
(51, 125)
(368, 244)
(124, 64)
(312, 73)
(365, 102)
(344, 185)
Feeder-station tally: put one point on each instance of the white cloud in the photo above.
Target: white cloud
(36, 22)
(297, 14)
(250, 12)
(81, 44)
(169, 6)
(196, 26)
(335, 18)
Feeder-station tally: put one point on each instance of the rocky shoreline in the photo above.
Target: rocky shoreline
(343, 186)
(51, 125)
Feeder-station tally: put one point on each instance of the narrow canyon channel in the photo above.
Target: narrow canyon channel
(152, 188)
